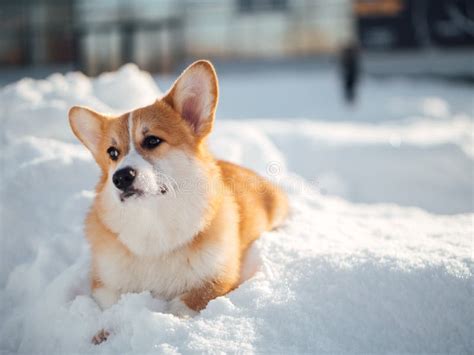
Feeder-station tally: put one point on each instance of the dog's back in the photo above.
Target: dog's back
(262, 205)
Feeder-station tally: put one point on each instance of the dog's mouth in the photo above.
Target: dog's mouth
(137, 192)
(129, 193)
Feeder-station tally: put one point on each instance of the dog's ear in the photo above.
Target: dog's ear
(87, 125)
(194, 96)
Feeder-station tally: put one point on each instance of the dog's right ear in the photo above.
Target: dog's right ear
(88, 126)
(194, 96)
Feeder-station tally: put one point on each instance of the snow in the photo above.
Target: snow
(375, 257)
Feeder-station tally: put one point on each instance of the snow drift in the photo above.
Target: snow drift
(337, 277)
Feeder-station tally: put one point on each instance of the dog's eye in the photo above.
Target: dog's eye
(151, 142)
(113, 153)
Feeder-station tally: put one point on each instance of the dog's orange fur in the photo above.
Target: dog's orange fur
(240, 199)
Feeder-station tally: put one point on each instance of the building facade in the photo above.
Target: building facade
(103, 34)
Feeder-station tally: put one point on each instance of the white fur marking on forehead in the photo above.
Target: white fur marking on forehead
(133, 157)
(130, 132)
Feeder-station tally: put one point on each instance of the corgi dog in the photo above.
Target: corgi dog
(167, 216)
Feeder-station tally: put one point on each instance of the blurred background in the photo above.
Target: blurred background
(386, 85)
(162, 35)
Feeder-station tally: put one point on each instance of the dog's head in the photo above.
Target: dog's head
(153, 160)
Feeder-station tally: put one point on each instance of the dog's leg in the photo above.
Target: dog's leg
(180, 309)
(190, 303)
(105, 297)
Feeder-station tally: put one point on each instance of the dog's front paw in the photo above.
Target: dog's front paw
(180, 309)
(100, 337)
(105, 297)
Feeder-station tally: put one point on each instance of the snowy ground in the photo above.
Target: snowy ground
(376, 256)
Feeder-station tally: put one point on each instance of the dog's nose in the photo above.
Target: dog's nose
(123, 178)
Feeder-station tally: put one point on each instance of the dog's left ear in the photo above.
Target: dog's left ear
(194, 96)
(87, 125)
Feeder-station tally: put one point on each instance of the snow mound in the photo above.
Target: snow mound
(337, 277)
(37, 107)
(417, 162)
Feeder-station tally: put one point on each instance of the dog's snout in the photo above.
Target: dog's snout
(123, 178)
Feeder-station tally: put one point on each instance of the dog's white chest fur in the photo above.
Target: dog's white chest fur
(165, 276)
(170, 274)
